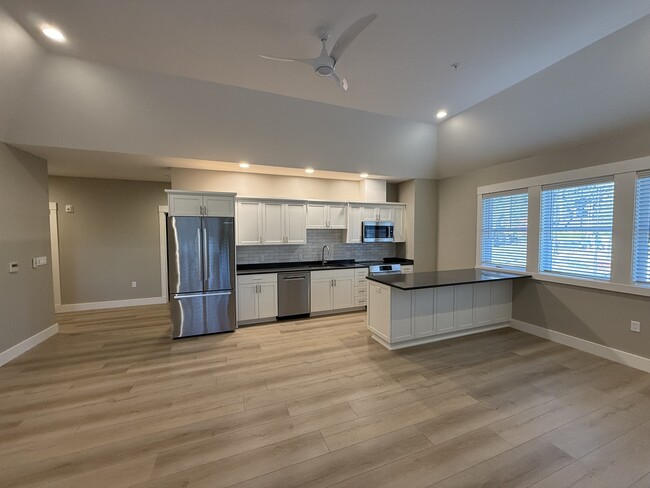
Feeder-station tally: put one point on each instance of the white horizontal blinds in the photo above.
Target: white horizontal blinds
(641, 251)
(504, 230)
(576, 229)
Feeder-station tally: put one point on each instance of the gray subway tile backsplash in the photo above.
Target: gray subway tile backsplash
(316, 239)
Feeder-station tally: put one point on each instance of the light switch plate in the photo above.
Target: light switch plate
(13, 267)
(635, 326)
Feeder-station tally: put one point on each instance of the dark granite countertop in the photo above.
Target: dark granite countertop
(435, 279)
(261, 268)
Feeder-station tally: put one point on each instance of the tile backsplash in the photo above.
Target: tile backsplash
(316, 239)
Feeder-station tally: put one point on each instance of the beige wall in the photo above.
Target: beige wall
(598, 316)
(110, 240)
(257, 185)
(421, 197)
(26, 300)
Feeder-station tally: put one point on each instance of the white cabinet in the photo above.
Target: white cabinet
(399, 318)
(360, 287)
(327, 216)
(332, 289)
(257, 297)
(390, 212)
(249, 223)
(270, 223)
(188, 204)
(354, 224)
(407, 269)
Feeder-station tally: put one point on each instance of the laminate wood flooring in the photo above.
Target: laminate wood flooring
(111, 401)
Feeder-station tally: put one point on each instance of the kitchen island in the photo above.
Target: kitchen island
(407, 310)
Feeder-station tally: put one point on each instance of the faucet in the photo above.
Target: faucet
(323, 260)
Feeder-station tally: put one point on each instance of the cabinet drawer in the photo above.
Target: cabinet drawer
(360, 302)
(361, 282)
(360, 291)
(257, 278)
(361, 272)
(332, 273)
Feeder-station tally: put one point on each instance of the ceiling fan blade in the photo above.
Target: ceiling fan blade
(340, 81)
(309, 61)
(349, 35)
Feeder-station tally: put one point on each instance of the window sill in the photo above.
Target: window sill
(583, 282)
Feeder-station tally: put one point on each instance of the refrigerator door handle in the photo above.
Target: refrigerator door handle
(206, 268)
(198, 245)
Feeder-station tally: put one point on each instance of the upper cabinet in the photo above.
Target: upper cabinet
(360, 212)
(271, 223)
(190, 204)
(327, 216)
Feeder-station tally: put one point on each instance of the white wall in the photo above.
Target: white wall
(84, 105)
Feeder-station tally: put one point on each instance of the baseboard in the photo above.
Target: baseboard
(626, 358)
(27, 344)
(377, 336)
(78, 307)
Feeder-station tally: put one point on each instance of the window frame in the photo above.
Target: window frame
(625, 174)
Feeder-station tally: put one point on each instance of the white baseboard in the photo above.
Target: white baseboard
(626, 358)
(27, 344)
(379, 337)
(78, 307)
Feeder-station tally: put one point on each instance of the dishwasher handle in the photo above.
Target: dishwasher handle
(287, 278)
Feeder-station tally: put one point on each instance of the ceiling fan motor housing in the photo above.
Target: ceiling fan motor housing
(324, 70)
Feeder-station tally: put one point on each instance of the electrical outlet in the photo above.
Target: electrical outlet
(133, 284)
(13, 267)
(69, 209)
(635, 326)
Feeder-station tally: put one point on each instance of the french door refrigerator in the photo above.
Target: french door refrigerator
(201, 252)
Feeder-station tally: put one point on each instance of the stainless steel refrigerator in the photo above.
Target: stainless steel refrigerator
(201, 252)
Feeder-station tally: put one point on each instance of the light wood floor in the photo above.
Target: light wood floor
(111, 401)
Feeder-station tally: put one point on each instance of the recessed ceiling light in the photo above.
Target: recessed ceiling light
(364, 175)
(244, 164)
(53, 33)
(309, 171)
(441, 114)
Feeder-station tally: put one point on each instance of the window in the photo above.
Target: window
(505, 230)
(641, 254)
(576, 229)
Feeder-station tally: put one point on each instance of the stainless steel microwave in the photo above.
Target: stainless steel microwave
(377, 231)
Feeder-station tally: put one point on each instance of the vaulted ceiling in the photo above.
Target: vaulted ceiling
(516, 76)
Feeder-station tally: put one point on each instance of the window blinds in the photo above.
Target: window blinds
(504, 230)
(576, 229)
(641, 251)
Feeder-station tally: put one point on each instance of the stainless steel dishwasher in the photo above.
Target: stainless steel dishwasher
(294, 297)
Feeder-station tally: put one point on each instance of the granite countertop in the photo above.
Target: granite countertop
(435, 279)
(261, 268)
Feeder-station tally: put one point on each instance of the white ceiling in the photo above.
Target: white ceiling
(399, 66)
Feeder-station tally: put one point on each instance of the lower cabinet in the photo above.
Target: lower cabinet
(332, 289)
(398, 316)
(257, 297)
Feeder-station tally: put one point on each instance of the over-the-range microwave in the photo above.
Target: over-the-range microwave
(377, 231)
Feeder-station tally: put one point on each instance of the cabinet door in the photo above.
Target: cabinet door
(185, 205)
(267, 300)
(385, 213)
(316, 216)
(354, 224)
(343, 293)
(423, 313)
(482, 304)
(219, 206)
(249, 225)
(369, 213)
(398, 218)
(500, 301)
(443, 299)
(321, 294)
(272, 223)
(338, 218)
(295, 225)
(463, 306)
(247, 301)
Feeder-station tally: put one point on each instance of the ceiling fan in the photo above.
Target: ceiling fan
(325, 63)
